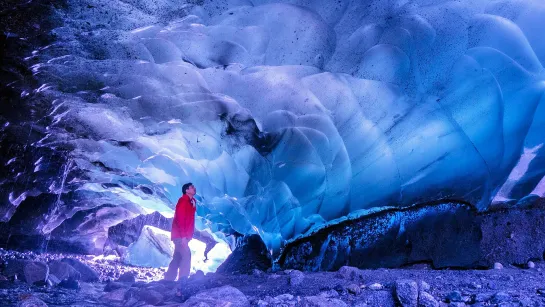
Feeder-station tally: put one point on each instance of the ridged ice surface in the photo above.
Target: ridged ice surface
(286, 115)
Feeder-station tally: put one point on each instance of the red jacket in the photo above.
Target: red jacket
(183, 224)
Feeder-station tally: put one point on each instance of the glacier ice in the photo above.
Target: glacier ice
(286, 115)
(153, 248)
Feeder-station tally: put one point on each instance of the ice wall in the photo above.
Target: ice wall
(287, 114)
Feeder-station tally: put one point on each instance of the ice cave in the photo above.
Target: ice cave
(320, 134)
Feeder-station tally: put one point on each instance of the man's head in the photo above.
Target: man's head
(189, 189)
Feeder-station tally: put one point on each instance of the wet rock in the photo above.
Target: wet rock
(375, 286)
(354, 289)
(427, 300)
(423, 286)
(127, 277)
(406, 292)
(329, 293)
(86, 272)
(15, 268)
(257, 272)
(36, 272)
(483, 297)
(474, 285)
(350, 273)
(225, 295)
(114, 285)
(63, 270)
(32, 302)
(377, 298)
(454, 296)
(251, 253)
(52, 280)
(500, 297)
(70, 283)
(498, 266)
(116, 296)
(320, 301)
(296, 278)
(150, 296)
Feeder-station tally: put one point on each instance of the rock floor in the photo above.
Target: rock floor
(418, 285)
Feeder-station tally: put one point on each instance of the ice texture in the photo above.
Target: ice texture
(287, 115)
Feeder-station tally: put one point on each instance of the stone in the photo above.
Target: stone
(114, 285)
(531, 265)
(127, 277)
(406, 292)
(474, 285)
(427, 300)
(36, 272)
(221, 296)
(375, 286)
(63, 270)
(377, 298)
(423, 286)
(116, 296)
(284, 297)
(498, 266)
(354, 289)
(257, 272)
(69, 283)
(15, 268)
(320, 301)
(454, 296)
(500, 297)
(32, 302)
(350, 273)
(329, 293)
(150, 296)
(296, 278)
(53, 280)
(86, 272)
(251, 253)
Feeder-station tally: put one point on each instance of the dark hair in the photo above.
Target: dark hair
(186, 186)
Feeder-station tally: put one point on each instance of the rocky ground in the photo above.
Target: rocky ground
(28, 279)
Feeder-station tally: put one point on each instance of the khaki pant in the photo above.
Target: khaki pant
(181, 261)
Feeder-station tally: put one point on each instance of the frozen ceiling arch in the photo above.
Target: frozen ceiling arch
(285, 115)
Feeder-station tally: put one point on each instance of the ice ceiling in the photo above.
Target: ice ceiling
(290, 114)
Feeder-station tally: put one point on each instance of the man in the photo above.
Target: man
(183, 226)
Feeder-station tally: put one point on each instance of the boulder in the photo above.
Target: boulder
(63, 270)
(296, 278)
(350, 273)
(406, 292)
(127, 277)
(222, 296)
(249, 254)
(427, 300)
(15, 268)
(87, 274)
(320, 301)
(36, 272)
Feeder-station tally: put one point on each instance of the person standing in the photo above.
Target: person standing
(183, 227)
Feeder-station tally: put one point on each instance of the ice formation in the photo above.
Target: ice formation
(290, 114)
(154, 249)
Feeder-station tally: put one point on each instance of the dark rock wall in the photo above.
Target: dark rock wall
(450, 235)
